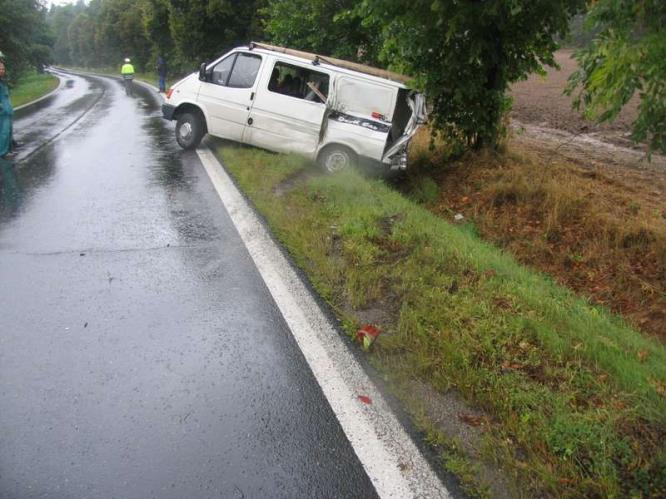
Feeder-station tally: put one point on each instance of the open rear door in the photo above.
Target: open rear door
(396, 153)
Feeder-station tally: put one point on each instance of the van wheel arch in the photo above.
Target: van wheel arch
(191, 108)
(190, 126)
(336, 157)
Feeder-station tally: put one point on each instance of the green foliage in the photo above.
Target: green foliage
(203, 29)
(156, 16)
(81, 36)
(326, 27)
(465, 54)
(24, 36)
(120, 32)
(59, 20)
(628, 57)
(579, 35)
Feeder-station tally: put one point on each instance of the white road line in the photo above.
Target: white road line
(388, 455)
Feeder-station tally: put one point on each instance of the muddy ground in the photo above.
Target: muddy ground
(540, 101)
(544, 121)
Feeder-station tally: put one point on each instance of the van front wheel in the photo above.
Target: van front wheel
(189, 130)
(334, 159)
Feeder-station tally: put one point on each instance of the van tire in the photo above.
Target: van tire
(189, 130)
(336, 158)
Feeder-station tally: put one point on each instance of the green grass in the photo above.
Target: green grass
(31, 87)
(576, 398)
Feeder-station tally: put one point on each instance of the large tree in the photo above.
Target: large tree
(24, 35)
(81, 40)
(156, 16)
(465, 54)
(121, 32)
(326, 27)
(202, 29)
(59, 20)
(627, 57)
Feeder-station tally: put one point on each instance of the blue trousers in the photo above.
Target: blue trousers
(6, 116)
(5, 134)
(162, 83)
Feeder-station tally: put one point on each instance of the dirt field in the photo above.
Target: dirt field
(540, 101)
(544, 121)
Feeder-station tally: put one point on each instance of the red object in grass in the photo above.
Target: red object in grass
(367, 335)
(365, 399)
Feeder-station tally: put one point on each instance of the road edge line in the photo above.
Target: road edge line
(390, 458)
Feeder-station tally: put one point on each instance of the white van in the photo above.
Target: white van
(332, 111)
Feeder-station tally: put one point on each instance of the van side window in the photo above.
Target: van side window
(244, 71)
(222, 70)
(237, 71)
(299, 82)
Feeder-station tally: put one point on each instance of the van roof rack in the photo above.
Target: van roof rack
(317, 59)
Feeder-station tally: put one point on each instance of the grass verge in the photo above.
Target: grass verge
(32, 86)
(573, 398)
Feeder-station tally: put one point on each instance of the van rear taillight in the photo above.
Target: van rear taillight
(169, 92)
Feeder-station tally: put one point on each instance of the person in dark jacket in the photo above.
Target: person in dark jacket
(6, 113)
(162, 72)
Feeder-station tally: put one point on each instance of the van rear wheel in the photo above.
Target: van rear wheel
(189, 130)
(336, 158)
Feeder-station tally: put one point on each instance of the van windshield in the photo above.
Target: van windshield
(298, 82)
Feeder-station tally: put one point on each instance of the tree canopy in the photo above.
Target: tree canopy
(24, 38)
(329, 27)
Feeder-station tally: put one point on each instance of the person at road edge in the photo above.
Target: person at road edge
(161, 68)
(6, 113)
(127, 72)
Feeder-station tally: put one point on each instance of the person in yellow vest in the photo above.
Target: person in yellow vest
(127, 72)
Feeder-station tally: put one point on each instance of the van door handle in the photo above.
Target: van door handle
(250, 121)
(252, 96)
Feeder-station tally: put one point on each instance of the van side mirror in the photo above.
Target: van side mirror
(202, 72)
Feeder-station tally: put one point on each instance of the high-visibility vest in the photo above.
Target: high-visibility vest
(127, 69)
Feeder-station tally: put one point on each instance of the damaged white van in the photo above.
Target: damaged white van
(332, 111)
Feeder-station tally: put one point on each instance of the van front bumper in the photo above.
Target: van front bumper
(168, 111)
(398, 161)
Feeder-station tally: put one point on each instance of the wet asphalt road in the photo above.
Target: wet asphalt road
(141, 354)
